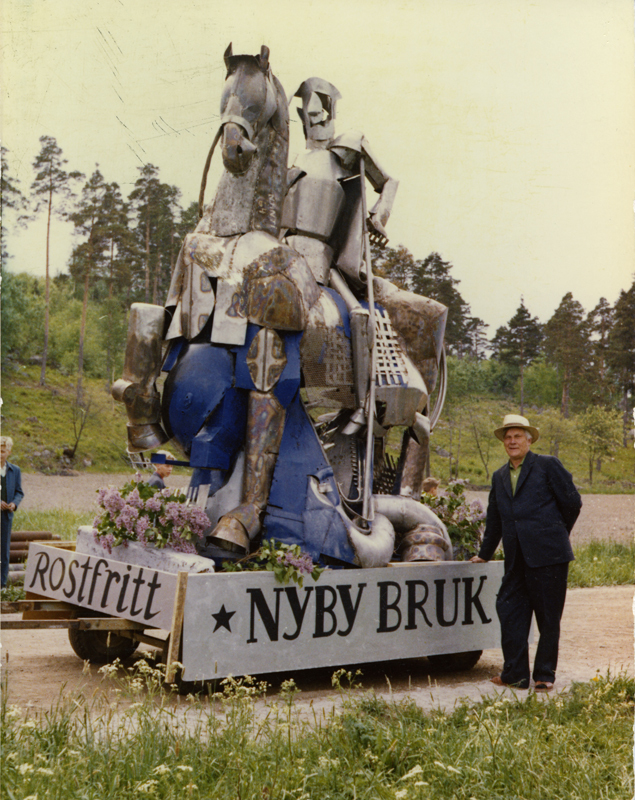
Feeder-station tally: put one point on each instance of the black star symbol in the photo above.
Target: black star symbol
(222, 618)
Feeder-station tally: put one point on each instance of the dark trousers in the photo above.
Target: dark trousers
(6, 546)
(526, 591)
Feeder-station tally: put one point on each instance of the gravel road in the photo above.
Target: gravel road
(604, 516)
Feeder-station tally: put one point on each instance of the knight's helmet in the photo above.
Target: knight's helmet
(319, 98)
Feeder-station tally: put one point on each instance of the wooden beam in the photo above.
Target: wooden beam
(177, 627)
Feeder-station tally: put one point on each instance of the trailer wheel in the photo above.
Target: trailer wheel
(99, 647)
(455, 662)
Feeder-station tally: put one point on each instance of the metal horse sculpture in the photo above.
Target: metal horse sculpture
(246, 338)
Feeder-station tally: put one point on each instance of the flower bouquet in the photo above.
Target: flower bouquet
(286, 561)
(142, 513)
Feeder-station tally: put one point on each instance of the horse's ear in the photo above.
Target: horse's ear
(264, 58)
(228, 54)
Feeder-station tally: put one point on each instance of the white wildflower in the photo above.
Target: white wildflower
(414, 771)
(13, 712)
(25, 769)
(149, 787)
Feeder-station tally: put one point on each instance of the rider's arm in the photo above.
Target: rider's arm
(349, 147)
(386, 186)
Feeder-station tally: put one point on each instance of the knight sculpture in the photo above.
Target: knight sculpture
(272, 312)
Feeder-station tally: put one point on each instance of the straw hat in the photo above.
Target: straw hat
(516, 421)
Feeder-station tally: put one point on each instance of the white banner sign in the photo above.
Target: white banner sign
(246, 623)
(111, 587)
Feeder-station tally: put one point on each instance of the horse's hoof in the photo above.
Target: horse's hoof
(230, 535)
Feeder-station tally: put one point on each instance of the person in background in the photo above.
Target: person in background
(533, 506)
(431, 486)
(162, 471)
(12, 494)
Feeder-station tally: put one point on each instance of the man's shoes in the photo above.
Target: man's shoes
(498, 681)
(543, 686)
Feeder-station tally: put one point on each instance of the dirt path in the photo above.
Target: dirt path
(604, 516)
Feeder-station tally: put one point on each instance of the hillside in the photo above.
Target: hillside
(40, 421)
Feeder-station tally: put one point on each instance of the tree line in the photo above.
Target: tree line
(125, 249)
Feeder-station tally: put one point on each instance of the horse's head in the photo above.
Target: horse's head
(250, 100)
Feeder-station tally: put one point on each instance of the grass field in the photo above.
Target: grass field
(40, 420)
(576, 745)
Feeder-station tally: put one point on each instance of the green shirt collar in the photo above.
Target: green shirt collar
(514, 472)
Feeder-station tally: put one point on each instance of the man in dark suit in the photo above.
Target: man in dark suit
(533, 506)
(11, 495)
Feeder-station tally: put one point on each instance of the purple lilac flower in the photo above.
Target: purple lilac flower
(153, 504)
(180, 545)
(303, 563)
(134, 499)
(173, 511)
(106, 542)
(127, 518)
(113, 501)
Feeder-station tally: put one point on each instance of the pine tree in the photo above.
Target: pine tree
(155, 206)
(88, 256)
(599, 323)
(11, 197)
(52, 182)
(518, 343)
(620, 354)
(431, 278)
(566, 344)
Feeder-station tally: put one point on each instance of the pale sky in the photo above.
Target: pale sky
(510, 124)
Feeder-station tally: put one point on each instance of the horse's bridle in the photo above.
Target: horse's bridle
(252, 131)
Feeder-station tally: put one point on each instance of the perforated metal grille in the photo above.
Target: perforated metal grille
(391, 367)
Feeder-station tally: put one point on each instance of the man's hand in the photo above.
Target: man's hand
(477, 560)
(8, 506)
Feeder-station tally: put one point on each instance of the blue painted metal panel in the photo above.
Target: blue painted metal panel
(293, 516)
(218, 441)
(194, 388)
(176, 345)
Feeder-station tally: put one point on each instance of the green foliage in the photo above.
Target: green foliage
(518, 343)
(464, 520)
(602, 564)
(567, 345)
(286, 561)
(22, 316)
(61, 521)
(543, 384)
(40, 421)
(455, 453)
(555, 431)
(23, 327)
(431, 277)
(601, 433)
(240, 744)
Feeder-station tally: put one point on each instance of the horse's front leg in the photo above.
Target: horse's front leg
(265, 424)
